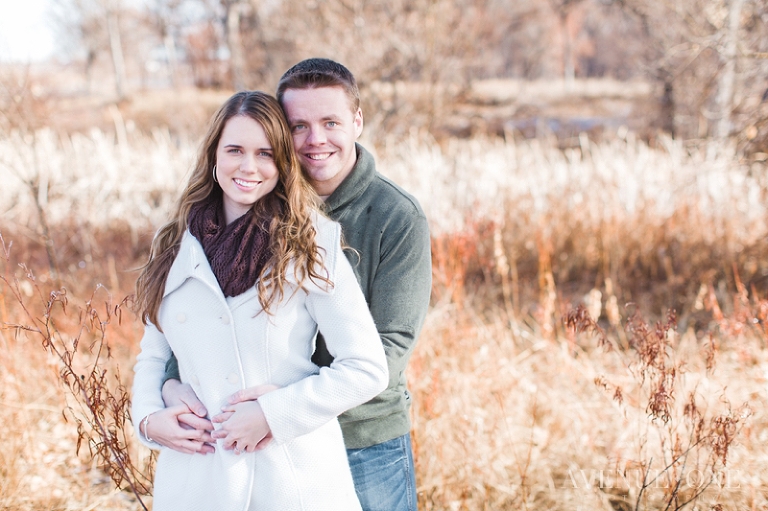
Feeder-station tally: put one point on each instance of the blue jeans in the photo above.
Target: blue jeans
(384, 475)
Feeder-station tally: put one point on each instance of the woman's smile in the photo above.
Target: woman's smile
(245, 165)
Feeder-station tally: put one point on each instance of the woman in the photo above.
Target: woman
(236, 286)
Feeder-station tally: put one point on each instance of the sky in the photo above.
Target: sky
(25, 33)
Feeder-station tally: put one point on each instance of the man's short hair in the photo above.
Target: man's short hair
(315, 73)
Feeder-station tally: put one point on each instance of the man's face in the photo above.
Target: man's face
(324, 129)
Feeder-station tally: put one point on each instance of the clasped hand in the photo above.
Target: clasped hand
(243, 425)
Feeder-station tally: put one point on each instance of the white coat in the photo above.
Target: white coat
(224, 345)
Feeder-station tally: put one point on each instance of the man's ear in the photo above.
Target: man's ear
(359, 122)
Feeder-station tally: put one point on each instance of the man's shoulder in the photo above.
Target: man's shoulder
(386, 196)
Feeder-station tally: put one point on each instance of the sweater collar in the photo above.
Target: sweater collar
(355, 183)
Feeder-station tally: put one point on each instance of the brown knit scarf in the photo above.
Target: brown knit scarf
(236, 252)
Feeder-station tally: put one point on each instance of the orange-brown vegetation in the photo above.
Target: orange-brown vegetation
(550, 373)
(597, 333)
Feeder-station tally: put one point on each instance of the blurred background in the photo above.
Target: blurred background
(594, 173)
(691, 69)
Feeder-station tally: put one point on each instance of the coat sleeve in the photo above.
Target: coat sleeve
(358, 372)
(148, 377)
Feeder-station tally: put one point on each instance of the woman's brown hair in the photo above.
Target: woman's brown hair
(290, 206)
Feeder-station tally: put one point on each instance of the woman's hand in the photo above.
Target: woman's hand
(164, 428)
(243, 425)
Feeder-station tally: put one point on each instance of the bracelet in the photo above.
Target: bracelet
(145, 421)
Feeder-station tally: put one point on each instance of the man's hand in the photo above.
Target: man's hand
(175, 394)
(164, 428)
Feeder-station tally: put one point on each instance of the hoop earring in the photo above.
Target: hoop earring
(214, 174)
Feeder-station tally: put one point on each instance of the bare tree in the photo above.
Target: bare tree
(727, 77)
(167, 20)
(92, 26)
(115, 46)
(233, 13)
(564, 10)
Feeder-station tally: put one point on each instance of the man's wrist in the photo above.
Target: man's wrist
(172, 381)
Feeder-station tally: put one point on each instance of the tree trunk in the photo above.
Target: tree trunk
(116, 50)
(668, 107)
(727, 76)
(237, 63)
(170, 54)
(569, 70)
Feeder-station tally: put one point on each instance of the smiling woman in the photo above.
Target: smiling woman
(25, 32)
(245, 165)
(220, 292)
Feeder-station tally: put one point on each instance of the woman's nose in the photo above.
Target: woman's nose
(248, 163)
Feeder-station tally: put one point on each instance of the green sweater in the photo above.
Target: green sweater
(392, 261)
(390, 254)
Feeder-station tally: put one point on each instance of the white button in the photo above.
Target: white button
(225, 320)
(181, 318)
(233, 379)
(194, 380)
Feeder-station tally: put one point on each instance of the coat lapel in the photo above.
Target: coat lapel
(190, 263)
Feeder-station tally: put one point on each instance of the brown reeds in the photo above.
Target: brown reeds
(77, 338)
(522, 398)
(693, 441)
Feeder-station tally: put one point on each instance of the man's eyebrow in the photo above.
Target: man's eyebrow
(329, 117)
(266, 148)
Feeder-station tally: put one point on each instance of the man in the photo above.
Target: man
(388, 234)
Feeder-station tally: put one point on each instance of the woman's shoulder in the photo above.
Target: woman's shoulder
(328, 240)
(328, 231)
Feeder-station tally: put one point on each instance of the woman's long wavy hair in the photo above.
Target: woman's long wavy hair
(290, 206)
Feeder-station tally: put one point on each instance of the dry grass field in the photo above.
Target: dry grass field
(550, 373)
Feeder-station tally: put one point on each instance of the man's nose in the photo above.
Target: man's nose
(316, 136)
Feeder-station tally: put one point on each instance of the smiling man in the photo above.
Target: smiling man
(389, 242)
(324, 131)
(388, 231)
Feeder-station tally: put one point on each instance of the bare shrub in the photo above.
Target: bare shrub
(691, 438)
(100, 404)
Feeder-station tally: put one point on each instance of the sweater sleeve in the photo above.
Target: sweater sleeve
(148, 377)
(359, 369)
(171, 369)
(400, 292)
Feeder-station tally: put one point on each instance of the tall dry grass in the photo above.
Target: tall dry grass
(513, 410)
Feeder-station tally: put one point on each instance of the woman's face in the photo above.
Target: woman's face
(245, 165)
